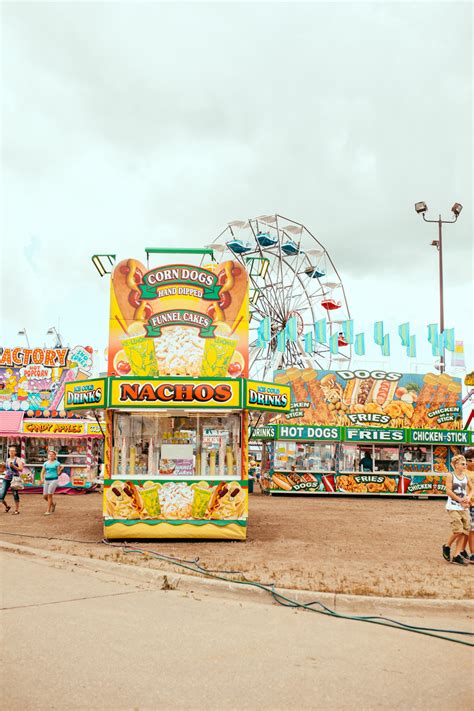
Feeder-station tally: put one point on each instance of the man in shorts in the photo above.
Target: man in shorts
(459, 491)
(469, 454)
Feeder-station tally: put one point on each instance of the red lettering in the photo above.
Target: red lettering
(6, 357)
(222, 393)
(147, 393)
(203, 393)
(16, 356)
(183, 392)
(62, 353)
(129, 391)
(165, 393)
(49, 357)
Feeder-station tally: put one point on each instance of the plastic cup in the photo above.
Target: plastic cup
(140, 352)
(151, 500)
(218, 354)
(200, 502)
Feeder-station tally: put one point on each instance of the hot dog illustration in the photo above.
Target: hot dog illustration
(363, 391)
(383, 391)
(232, 279)
(282, 482)
(126, 277)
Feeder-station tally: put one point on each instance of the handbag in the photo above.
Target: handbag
(17, 483)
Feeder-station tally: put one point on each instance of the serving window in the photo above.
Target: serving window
(304, 457)
(417, 459)
(70, 452)
(386, 459)
(159, 445)
(369, 458)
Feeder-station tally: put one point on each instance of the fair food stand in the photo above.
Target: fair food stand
(176, 454)
(176, 400)
(33, 416)
(356, 432)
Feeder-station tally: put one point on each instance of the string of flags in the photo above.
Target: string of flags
(345, 335)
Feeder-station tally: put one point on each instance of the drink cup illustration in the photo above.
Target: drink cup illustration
(218, 354)
(200, 502)
(151, 500)
(140, 352)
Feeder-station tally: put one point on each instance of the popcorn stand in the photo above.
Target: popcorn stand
(361, 432)
(33, 417)
(177, 400)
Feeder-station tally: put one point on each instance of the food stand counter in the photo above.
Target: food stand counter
(176, 454)
(354, 460)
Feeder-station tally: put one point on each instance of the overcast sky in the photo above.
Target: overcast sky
(132, 125)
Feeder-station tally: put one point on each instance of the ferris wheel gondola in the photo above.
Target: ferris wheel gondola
(292, 277)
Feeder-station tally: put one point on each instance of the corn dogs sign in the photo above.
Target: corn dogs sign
(179, 320)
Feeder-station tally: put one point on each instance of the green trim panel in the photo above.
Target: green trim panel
(373, 434)
(139, 482)
(305, 432)
(439, 437)
(192, 522)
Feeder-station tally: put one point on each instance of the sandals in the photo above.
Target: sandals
(16, 513)
(7, 509)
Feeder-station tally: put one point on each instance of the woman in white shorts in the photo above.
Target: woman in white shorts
(49, 476)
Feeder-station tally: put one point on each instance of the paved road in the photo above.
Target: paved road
(80, 640)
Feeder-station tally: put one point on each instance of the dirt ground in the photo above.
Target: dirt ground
(375, 546)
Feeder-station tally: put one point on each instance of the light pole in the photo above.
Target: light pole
(53, 332)
(421, 208)
(24, 333)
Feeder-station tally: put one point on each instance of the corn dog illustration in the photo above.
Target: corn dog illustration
(228, 501)
(320, 412)
(425, 396)
(232, 279)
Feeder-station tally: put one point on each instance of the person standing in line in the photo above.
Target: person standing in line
(458, 489)
(49, 477)
(14, 466)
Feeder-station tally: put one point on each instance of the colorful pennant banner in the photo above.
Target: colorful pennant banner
(404, 333)
(348, 330)
(359, 346)
(378, 333)
(320, 330)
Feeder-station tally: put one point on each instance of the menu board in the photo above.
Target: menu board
(179, 320)
(177, 460)
(363, 398)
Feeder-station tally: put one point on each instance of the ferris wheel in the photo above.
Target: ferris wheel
(293, 282)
